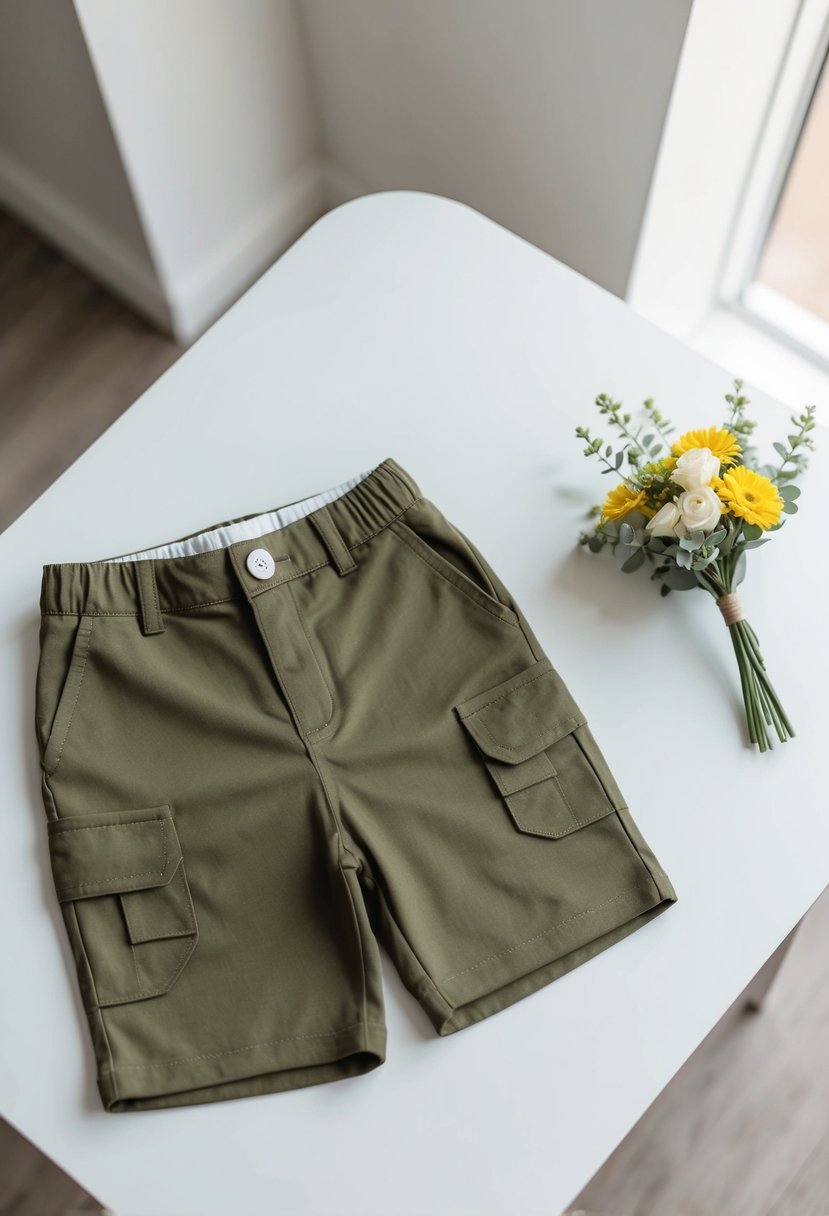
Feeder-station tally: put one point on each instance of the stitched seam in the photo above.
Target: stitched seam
(179, 932)
(155, 591)
(539, 734)
(333, 540)
(214, 1055)
(458, 587)
(358, 930)
(85, 644)
(564, 796)
(269, 648)
(578, 823)
(509, 692)
(102, 882)
(162, 937)
(143, 992)
(575, 916)
(314, 730)
(382, 527)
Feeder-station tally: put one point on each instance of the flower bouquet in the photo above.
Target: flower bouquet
(693, 514)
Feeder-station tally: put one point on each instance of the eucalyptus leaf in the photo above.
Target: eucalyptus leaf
(626, 534)
(619, 458)
(787, 493)
(789, 508)
(702, 563)
(781, 450)
(755, 544)
(727, 543)
(714, 538)
(608, 450)
(752, 532)
(633, 562)
(683, 558)
(648, 440)
(595, 545)
(681, 580)
(739, 571)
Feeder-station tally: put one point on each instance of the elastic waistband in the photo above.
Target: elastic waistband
(209, 566)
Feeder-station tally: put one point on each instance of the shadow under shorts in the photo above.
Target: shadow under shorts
(273, 745)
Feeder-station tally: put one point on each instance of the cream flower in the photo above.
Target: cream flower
(665, 520)
(695, 468)
(700, 509)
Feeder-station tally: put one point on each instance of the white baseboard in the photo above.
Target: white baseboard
(199, 297)
(84, 241)
(187, 305)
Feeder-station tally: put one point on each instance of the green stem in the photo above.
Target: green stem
(748, 700)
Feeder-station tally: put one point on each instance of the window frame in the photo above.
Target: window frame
(805, 57)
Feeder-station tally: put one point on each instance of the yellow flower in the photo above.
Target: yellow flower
(621, 500)
(750, 496)
(720, 443)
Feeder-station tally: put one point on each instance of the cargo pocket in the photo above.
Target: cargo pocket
(540, 753)
(121, 879)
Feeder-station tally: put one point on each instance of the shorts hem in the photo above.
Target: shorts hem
(493, 984)
(244, 1072)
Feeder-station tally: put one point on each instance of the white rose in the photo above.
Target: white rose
(700, 509)
(695, 468)
(665, 520)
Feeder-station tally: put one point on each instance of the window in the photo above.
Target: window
(777, 274)
(795, 259)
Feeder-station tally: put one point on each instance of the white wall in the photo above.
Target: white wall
(220, 129)
(212, 109)
(60, 169)
(543, 114)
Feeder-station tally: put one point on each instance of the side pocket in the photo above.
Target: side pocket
(443, 547)
(60, 674)
(121, 876)
(539, 751)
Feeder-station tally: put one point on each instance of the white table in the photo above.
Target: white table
(404, 324)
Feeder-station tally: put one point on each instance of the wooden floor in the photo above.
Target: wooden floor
(72, 358)
(742, 1130)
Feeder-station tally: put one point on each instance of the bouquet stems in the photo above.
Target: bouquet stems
(762, 704)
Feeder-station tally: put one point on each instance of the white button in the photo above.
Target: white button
(260, 563)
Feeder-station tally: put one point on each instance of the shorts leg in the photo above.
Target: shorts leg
(497, 849)
(222, 945)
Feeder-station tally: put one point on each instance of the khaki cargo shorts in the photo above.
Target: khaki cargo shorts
(272, 746)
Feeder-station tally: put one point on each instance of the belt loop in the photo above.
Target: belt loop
(151, 621)
(330, 536)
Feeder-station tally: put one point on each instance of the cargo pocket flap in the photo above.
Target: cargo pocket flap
(539, 751)
(522, 716)
(109, 853)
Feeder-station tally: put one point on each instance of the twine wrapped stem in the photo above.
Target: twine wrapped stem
(731, 608)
